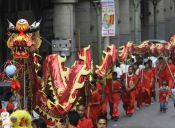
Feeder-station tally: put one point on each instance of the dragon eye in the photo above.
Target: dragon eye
(22, 21)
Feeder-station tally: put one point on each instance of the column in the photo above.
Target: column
(136, 19)
(64, 23)
(124, 22)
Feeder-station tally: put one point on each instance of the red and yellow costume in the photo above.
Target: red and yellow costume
(128, 96)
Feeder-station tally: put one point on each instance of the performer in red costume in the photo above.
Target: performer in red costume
(139, 73)
(115, 96)
(170, 72)
(128, 97)
(160, 71)
(84, 122)
(147, 84)
(94, 105)
(153, 87)
(106, 93)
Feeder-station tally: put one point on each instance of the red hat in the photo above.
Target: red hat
(10, 106)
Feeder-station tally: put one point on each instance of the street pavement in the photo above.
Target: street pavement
(148, 117)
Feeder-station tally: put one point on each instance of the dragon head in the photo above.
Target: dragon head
(23, 38)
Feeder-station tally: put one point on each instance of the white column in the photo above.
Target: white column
(136, 7)
(64, 22)
(124, 6)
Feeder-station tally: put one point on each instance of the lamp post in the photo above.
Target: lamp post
(97, 7)
(155, 2)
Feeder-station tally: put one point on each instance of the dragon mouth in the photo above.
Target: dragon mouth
(20, 50)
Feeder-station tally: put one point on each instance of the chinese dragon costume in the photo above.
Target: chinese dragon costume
(58, 90)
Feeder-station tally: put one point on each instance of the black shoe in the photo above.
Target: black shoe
(161, 110)
(129, 114)
(115, 118)
(164, 110)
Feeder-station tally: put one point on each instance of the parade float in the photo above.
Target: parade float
(57, 91)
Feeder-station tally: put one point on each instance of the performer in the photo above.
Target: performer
(139, 89)
(114, 98)
(84, 122)
(106, 92)
(170, 72)
(153, 87)
(128, 97)
(163, 96)
(160, 71)
(94, 105)
(147, 84)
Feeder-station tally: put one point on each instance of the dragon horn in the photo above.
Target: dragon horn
(38, 23)
(11, 26)
(35, 25)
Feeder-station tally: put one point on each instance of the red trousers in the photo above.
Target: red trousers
(153, 90)
(146, 96)
(129, 101)
(114, 102)
(95, 112)
(139, 97)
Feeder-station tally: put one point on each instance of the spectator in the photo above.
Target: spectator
(10, 108)
(84, 122)
(39, 123)
(163, 96)
(173, 95)
(102, 122)
(72, 119)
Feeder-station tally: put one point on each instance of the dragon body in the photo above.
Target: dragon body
(146, 47)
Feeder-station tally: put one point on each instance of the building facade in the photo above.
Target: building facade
(77, 20)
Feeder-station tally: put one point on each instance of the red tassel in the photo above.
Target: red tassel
(15, 85)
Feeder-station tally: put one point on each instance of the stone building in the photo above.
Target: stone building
(77, 20)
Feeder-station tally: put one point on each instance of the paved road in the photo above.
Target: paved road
(148, 117)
